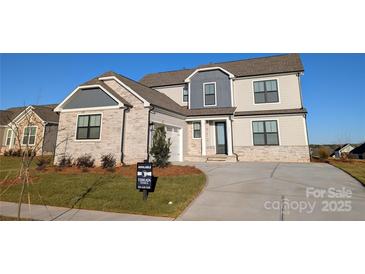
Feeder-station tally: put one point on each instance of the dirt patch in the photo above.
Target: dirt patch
(128, 171)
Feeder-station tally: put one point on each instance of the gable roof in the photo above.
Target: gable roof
(45, 112)
(340, 148)
(359, 150)
(241, 68)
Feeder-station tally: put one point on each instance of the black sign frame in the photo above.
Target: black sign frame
(144, 178)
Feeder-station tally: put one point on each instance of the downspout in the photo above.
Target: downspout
(305, 115)
(149, 132)
(44, 135)
(235, 154)
(122, 137)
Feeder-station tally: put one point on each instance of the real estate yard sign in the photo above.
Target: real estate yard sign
(144, 176)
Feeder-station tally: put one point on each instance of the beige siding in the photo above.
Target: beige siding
(175, 93)
(289, 93)
(292, 131)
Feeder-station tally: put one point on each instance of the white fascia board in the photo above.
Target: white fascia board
(231, 76)
(59, 106)
(24, 112)
(145, 102)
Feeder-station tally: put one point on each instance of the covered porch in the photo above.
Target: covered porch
(209, 138)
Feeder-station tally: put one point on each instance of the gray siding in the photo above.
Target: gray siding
(3, 130)
(50, 136)
(223, 88)
(85, 98)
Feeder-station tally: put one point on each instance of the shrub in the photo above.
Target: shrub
(85, 161)
(7, 153)
(108, 161)
(160, 147)
(323, 153)
(65, 161)
(42, 163)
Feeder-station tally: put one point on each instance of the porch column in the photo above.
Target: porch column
(204, 147)
(229, 136)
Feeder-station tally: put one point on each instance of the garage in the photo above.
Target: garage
(174, 133)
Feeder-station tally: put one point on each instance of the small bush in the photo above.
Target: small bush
(85, 161)
(42, 163)
(15, 152)
(7, 153)
(108, 161)
(323, 153)
(65, 161)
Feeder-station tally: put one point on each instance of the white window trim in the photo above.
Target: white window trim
(192, 125)
(215, 94)
(101, 127)
(265, 119)
(11, 137)
(265, 79)
(182, 99)
(35, 137)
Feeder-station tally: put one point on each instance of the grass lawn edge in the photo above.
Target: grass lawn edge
(347, 172)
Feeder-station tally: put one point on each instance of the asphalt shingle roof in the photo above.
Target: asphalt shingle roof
(242, 68)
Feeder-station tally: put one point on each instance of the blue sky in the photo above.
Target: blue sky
(333, 84)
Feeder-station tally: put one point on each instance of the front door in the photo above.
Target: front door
(221, 137)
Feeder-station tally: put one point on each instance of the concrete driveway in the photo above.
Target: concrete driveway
(277, 191)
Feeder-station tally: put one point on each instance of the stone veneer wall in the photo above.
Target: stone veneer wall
(136, 124)
(193, 145)
(273, 153)
(110, 139)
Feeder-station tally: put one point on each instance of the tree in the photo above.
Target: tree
(160, 149)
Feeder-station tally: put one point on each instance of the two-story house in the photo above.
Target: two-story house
(247, 110)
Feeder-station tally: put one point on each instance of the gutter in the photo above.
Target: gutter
(122, 137)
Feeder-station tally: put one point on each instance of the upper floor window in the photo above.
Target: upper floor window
(265, 133)
(197, 130)
(266, 91)
(185, 94)
(88, 127)
(29, 135)
(209, 94)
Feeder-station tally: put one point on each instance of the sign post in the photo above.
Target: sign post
(144, 178)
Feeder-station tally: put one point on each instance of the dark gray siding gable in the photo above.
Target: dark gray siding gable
(223, 88)
(86, 98)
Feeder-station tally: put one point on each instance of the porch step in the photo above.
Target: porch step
(221, 158)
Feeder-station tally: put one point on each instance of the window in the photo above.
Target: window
(185, 94)
(88, 127)
(29, 136)
(8, 137)
(209, 94)
(265, 133)
(197, 130)
(266, 91)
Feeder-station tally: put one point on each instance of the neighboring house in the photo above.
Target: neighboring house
(359, 152)
(248, 110)
(346, 148)
(33, 127)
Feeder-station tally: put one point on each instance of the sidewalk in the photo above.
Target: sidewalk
(47, 213)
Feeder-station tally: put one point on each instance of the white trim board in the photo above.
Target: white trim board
(208, 69)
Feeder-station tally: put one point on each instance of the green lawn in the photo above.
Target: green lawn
(355, 168)
(107, 192)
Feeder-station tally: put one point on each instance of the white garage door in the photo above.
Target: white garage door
(174, 133)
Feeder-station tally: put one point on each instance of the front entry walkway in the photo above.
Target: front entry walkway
(275, 191)
(52, 213)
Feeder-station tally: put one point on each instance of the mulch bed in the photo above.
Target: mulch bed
(128, 171)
